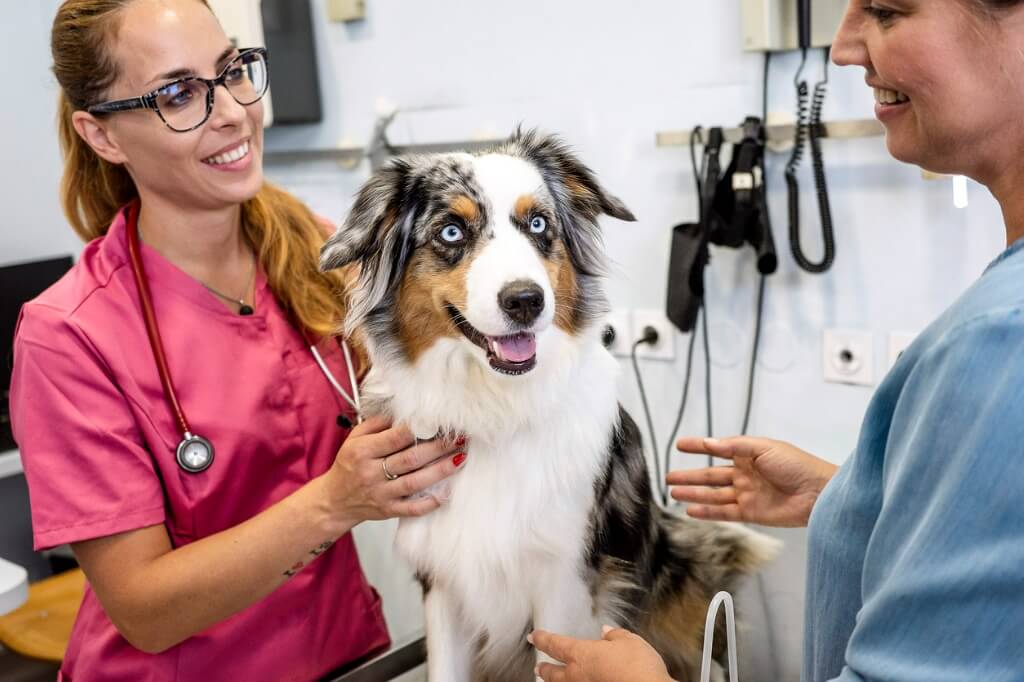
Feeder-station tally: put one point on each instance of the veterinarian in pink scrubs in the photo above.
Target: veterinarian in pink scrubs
(242, 567)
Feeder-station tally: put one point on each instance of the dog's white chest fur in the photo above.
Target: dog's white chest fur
(512, 533)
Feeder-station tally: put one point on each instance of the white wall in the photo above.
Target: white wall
(607, 76)
(34, 226)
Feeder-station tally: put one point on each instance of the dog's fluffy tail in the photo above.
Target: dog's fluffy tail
(725, 551)
(698, 560)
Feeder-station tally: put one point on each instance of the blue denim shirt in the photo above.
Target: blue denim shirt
(916, 547)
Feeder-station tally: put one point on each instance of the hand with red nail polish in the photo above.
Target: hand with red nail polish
(383, 471)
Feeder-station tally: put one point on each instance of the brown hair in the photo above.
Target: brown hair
(283, 231)
(992, 8)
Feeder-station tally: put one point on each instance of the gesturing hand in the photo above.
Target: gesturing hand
(771, 483)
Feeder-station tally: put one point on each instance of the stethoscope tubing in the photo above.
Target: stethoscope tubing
(156, 344)
(152, 328)
(353, 399)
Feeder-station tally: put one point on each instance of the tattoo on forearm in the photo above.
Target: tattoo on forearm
(316, 551)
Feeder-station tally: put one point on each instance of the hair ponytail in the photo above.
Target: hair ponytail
(91, 189)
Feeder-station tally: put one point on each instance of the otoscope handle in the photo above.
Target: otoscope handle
(764, 244)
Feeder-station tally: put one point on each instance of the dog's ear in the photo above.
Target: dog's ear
(376, 235)
(580, 197)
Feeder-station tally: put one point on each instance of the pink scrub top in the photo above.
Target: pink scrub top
(98, 442)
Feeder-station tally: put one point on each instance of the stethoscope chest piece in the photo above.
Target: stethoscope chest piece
(195, 453)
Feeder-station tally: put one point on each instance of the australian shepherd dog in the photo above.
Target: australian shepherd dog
(479, 301)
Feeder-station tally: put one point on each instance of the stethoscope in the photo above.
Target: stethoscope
(195, 453)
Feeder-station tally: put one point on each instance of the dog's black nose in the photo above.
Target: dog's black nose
(522, 301)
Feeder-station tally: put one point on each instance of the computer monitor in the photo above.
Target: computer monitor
(19, 284)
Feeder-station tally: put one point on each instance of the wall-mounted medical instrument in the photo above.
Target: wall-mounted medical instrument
(733, 214)
(786, 25)
(809, 131)
(774, 26)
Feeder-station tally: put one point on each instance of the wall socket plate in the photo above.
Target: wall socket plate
(898, 342)
(848, 356)
(665, 349)
(620, 320)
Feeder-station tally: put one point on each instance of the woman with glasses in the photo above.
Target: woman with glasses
(200, 567)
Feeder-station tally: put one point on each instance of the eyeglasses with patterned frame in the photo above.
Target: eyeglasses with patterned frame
(246, 78)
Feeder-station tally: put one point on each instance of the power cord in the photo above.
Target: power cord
(761, 588)
(698, 174)
(753, 355)
(761, 285)
(707, 374)
(682, 405)
(649, 336)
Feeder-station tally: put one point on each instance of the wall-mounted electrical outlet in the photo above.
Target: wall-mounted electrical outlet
(898, 342)
(618, 332)
(849, 357)
(665, 348)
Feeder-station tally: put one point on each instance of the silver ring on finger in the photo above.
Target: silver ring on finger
(387, 474)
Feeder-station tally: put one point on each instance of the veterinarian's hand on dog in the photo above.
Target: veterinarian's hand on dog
(357, 488)
(620, 656)
(771, 483)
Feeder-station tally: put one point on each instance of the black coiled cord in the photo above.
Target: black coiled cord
(808, 127)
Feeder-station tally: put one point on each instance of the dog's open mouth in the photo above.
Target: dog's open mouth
(514, 354)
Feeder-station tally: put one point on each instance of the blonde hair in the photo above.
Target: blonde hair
(282, 230)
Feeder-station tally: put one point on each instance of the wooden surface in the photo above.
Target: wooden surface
(41, 628)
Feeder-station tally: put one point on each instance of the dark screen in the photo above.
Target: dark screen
(294, 81)
(18, 285)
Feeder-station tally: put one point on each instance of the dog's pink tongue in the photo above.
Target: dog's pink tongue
(519, 348)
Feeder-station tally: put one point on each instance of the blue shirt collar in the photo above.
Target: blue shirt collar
(1010, 250)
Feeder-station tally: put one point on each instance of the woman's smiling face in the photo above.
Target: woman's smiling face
(947, 78)
(219, 163)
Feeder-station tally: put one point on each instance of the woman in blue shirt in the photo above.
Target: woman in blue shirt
(916, 545)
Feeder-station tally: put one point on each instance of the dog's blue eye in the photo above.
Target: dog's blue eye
(538, 225)
(452, 234)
